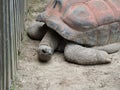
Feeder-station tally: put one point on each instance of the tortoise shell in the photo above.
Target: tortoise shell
(89, 22)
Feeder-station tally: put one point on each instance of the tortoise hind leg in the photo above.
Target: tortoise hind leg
(47, 45)
(85, 56)
(110, 48)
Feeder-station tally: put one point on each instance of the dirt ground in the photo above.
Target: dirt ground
(58, 74)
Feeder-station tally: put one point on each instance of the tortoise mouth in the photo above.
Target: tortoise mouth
(41, 17)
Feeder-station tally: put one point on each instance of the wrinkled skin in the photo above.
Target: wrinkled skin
(89, 30)
(73, 52)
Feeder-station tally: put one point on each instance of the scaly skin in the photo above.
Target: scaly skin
(48, 45)
(85, 22)
(73, 52)
(85, 56)
(49, 40)
(36, 31)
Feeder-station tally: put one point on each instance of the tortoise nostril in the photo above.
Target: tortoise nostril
(44, 51)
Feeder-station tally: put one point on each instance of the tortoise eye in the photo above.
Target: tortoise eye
(59, 2)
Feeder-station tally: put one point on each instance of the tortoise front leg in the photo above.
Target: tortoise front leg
(47, 45)
(36, 31)
(85, 56)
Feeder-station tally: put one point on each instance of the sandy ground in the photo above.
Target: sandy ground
(58, 74)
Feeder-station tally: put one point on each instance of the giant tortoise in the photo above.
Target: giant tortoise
(89, 30)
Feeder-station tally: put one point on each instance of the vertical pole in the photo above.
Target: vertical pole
(1, 44)
(11, 27)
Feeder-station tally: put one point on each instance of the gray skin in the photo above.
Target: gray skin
(73, 52)
(48, 45)
(37, 30)
(46, 48)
